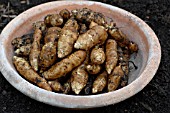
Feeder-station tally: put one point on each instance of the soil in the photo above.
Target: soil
(154, 98)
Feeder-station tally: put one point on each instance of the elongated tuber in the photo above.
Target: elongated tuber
(100, 82)
(114, 78)
(111, 55)
(28, 73)
(96, 35)
(67, 38)
(65, 66)
(35, 50)
(79, 79)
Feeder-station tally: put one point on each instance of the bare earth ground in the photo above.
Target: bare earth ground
(154, 98)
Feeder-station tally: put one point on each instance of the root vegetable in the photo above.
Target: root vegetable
(47, 55)
(111, 55)
(96, 35)
(119, 36)
(39, 25)
(87, 15)
(52, 34)
(114, 78)
(28, 73)
(79, 79)
(67, 86)
(93, 68)
(92, 24)
(53, 20)
(23, 50)
(65, 14)
(133, 47)
(55, 85)
(22, 41)
(67, 38)
(100, 82)
(65, 66)
(83, 28)
(97, 55)
(35, 50)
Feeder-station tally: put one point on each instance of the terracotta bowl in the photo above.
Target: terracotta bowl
(147, 60)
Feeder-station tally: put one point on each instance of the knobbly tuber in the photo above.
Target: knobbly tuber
(66, 65)
(97, 55)
(92, 37)
(22, 41)
(35, 49)
(27, 72)
(47, 55)
(39, 25)
(53, 20)
(93, 68)
(87, 15)
(55, 85)
(65, 14)
(83, 28)
(67, 86)
(100, 82)
(119, 36)
(111, 55)
(23, 50)
(114, 78)
(79, 79)
(49, 50)
(52, 35)
(67, 38)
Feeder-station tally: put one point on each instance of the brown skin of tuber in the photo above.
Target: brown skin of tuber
(39, 25)
(55, 85)
(96, 35)
(111, 55)
(22, 41)
(67, 86)
(87, 15)
(65, 14)
(114, 78)
(47, 55)
(23, 50)
(28, 73)
(65, 66)
(100, 82)
(35, 49)
(93, 69)
(97, 55)
(67, 38)
(53, 20)
(123, 41)
(79, 79)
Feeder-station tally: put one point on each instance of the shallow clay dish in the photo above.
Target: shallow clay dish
(147, 60)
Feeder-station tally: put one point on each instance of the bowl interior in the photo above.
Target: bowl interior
(127, 24)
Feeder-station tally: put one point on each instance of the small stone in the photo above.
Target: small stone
(4, 92)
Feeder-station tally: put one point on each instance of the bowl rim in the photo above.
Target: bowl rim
(72, 101)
